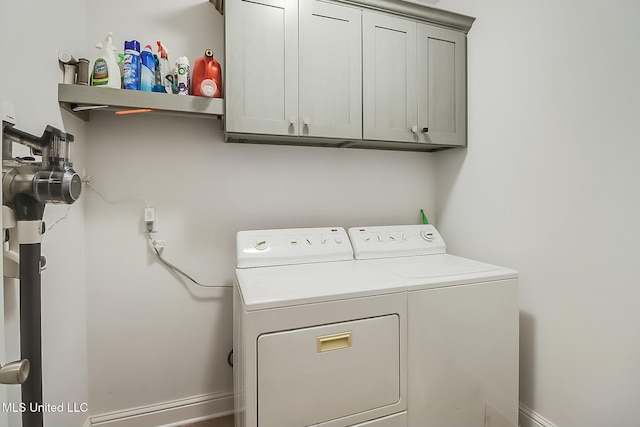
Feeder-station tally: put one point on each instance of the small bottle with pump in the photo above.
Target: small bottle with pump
(207, 76)
(106, 72)
(148, 70)
(131, 65)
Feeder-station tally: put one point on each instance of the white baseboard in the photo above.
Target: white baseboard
(178, 412)
(529, 418)
(169, 414)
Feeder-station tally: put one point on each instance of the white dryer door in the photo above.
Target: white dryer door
(312, 375)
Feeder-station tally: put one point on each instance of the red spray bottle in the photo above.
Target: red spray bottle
(207, 76)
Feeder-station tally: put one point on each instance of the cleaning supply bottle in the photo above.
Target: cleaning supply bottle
(121, 67)
(106, 72)
(172, 78)
(184, 81)
(425, 220)
(163, 70)
(131, 65)
(157, 76)
(147, 70)
(207, 76)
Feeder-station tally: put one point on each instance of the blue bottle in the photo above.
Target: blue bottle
(131, 65)
(148, 70)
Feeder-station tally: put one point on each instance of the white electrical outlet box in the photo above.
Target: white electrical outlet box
(151, 220)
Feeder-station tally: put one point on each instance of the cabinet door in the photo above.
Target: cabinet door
(330, 70)
(261, 66)
(442, 89)
(389, 78)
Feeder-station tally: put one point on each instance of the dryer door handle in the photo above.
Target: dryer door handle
(333, 342)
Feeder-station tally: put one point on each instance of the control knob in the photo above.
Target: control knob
(261, 245)
(427, 235)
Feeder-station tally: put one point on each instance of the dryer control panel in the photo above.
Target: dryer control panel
(264, 248)
(396, 241)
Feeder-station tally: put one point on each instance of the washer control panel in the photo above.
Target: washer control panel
(396, 241)
(263, 248)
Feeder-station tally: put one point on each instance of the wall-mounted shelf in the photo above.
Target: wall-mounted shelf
(82, 100)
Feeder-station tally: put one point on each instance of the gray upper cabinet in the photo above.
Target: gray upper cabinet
(282, 81)
(261, 75)
(390, 78)
(338, 73)
(414, 82)
(442, 90)
(330, 70)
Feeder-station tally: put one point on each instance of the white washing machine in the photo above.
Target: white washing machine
(463, 319)
(319, 339)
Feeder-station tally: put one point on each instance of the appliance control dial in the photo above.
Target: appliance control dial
(261, 245)
(427, 235)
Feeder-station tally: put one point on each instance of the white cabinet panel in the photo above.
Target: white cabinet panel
(441, 86)
(463, 355)
(262, 66)
(389, 78)
(330, 70)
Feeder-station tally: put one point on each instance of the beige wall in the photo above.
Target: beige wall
(32, 33)
(549, 186)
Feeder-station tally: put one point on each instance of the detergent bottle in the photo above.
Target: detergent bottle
(106, 72)
(207, 76)
(163, 71)
(131, 65)
(147, 70)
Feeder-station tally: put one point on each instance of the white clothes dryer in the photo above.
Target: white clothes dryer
(463, 326)
(319, 339)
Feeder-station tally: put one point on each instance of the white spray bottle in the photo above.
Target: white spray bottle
(163, 65)
(106, 72)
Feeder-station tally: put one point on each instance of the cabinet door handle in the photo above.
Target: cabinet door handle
(307, 122)
(414, 129)
(425, 130)
(292, 120)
